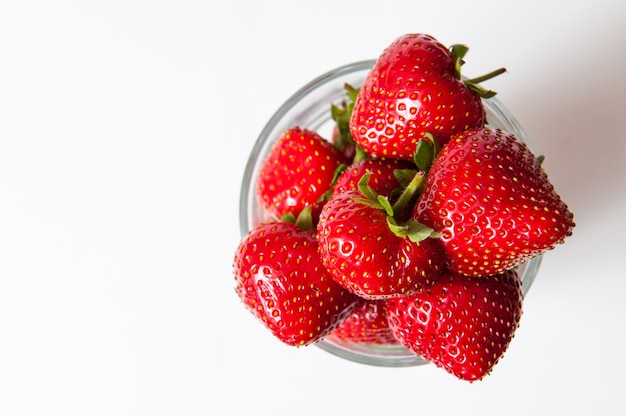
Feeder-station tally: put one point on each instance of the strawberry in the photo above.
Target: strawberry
(361, 251)
(282, 281)
(414, 88)
(492, 202)
(461, 324)
(298, 171)
(366, 325)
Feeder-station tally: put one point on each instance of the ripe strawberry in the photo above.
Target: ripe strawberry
(363, 254)
(281, 280)
(494, 205)
(366, 325)
(298, 171)
(415, 88)
(461, 324)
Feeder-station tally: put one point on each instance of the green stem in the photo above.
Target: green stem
(485, 77)
(415, 186)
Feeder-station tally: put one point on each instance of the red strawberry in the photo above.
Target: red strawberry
(362, 253)
(298, 171)
(494, 205)
(281, 280)
(366, 325)
(461, 324)
(415, 88)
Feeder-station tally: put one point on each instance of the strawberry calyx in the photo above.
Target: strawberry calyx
(304, 220)
(426, 152)
(540, 159)
(472, 83)
(414, 186)
(458, 52)
(373, 198)
(341, 115)
(408, 228)
(412, 183)
(326, 195)
(411, 229)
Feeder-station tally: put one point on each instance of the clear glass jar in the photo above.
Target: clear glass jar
(309, 108)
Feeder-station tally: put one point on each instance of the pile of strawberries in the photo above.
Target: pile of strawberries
(408, 225)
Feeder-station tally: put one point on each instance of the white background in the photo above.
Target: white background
(124, 130)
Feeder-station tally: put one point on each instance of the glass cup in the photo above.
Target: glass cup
(309, 108)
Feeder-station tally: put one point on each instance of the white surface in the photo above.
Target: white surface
(124, 130)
